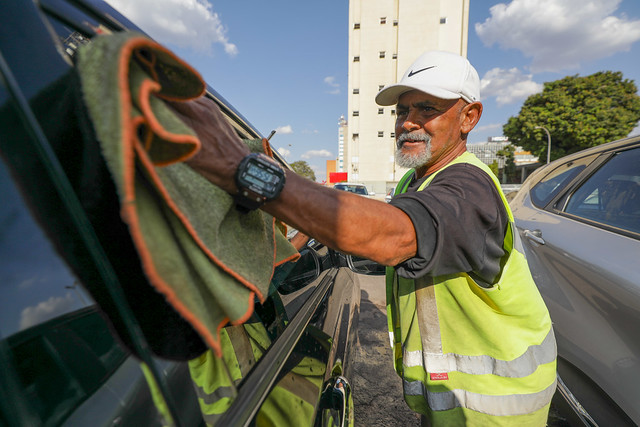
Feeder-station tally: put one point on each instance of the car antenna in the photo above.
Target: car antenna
(273, 132)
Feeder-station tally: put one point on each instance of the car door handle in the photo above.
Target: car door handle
(337, 397)
(534, 235)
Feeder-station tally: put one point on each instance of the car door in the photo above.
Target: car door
(583, 255)
(64, 358)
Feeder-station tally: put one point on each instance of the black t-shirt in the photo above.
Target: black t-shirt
(460, 224)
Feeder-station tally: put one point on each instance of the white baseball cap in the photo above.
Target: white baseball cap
(442, 74)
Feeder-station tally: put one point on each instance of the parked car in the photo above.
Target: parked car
(579, 220)
(72, 338)
(355, 188)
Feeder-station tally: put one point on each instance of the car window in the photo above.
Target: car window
(556, 180)
(611, 195)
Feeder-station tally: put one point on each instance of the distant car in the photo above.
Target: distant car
(360, 189)
(579, 219)
(390, 194)
(71, 337)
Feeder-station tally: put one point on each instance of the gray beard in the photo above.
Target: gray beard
(417, 160)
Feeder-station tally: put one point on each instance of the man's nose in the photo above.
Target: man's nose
(410, 124)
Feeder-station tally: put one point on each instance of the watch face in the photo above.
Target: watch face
(262, 177)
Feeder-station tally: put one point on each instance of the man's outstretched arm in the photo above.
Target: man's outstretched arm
(343, 221)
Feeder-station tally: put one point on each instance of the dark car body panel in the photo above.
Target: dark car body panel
(64, 359)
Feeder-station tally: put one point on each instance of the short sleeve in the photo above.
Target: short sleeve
(460, 222)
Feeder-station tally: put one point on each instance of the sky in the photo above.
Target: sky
(283, 65)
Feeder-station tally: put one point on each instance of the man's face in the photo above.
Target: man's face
(426, 128)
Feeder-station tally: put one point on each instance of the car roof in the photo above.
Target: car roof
(609, 146)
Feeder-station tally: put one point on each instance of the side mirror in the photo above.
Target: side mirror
(364, 266)
(295, 275)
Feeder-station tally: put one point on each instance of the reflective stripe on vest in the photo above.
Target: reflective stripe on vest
(519, 367)
(514, 404)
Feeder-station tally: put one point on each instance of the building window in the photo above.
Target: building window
(393, 111)
(443, 20)
(395, 22)
(395, 56)
(382, 54)
(356, 26)
(355, 136)
(380, 134)
(383, 20)
(356, 59)
(393, 134)
(356, 113)
(380, 110)
(356, 91)
(380, 87)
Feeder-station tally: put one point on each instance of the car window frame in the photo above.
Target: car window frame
(559, 204)
(565, 186)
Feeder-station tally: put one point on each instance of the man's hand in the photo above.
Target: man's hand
(221, 150)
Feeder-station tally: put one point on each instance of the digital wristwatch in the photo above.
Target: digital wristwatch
(259, 180)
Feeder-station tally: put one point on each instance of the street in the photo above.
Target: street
(377, 389)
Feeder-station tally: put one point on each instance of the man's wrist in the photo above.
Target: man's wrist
(259, 179)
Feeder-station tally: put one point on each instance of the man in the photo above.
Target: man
(472, 337)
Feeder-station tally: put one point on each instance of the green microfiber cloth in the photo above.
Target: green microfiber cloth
(206, 258)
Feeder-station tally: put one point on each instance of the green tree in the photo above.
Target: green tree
(509, 169)
(494, 168)
(579, 112)
(302, 168)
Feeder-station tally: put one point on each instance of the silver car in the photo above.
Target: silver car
(579, 220)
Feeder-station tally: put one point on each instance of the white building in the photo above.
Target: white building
(385, 37)
(342, 130)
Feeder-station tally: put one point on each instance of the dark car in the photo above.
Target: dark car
(77, 341)
(579, 219)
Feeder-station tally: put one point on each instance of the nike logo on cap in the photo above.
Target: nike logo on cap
(411, 73)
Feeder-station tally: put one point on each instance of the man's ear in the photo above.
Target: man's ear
(470, 116)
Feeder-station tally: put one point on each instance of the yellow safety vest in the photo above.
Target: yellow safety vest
(470, 355)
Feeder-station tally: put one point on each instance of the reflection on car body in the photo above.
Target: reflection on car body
(66, 360)
(579, 218)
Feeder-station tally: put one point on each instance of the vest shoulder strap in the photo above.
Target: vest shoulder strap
(404, 182)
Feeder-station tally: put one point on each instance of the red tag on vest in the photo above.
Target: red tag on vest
(438, 376)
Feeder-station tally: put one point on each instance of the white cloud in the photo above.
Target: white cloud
(310, 131)
(316, 153)
(559, 34)
(284, 152)
(45, 310)
(284, 130)
(335, 87)
(186, 23)
(508, 86)
(27, 283)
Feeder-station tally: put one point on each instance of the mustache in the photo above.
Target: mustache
(412, 136)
